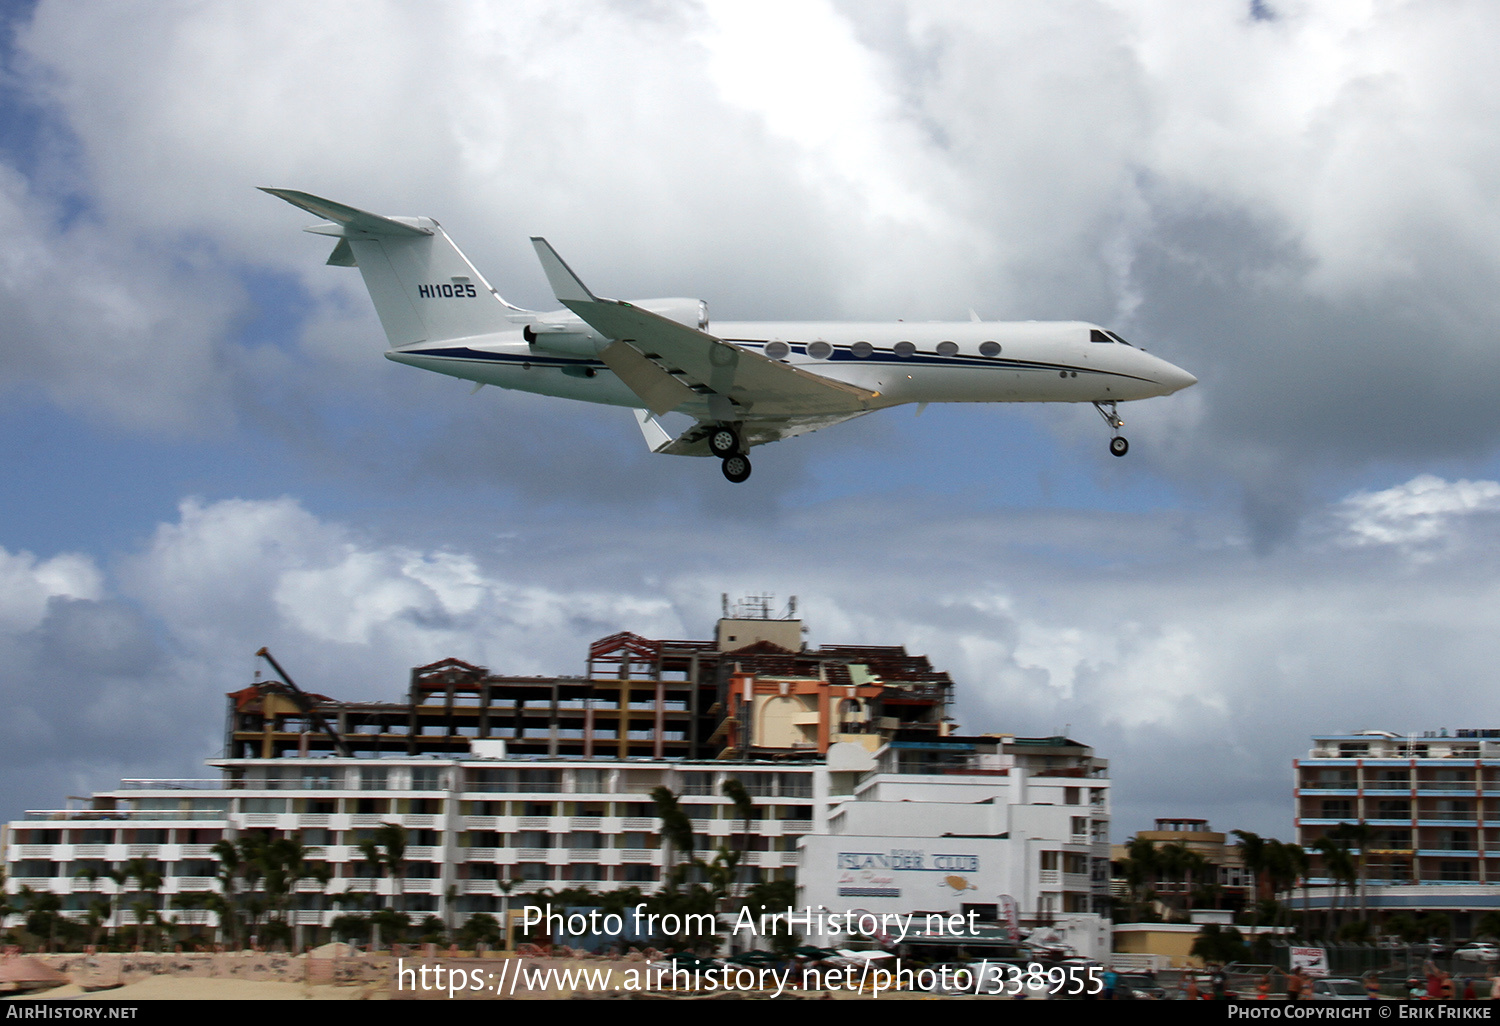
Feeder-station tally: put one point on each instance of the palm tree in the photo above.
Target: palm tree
(43, 909)
(1176, 862)
(284, 864)
(1297, 866)
(252, 867)
(229, 867)
(676, 831)
(386, 852)
(744, 809)
(1253, 856)
(148, 882)
(1141, 867)
(1357, 835)
(93, 876)
(322, 872)
(1338, 863)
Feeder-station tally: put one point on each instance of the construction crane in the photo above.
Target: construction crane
(305, 704)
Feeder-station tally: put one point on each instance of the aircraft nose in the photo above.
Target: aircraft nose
(1175, 378)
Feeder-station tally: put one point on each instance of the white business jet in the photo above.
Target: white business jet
(744, 384)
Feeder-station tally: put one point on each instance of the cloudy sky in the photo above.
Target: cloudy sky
(205, 452)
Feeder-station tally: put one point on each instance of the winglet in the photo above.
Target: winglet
(565, 284)
(362, 222)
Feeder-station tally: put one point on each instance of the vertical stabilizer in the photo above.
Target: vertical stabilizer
(423, 287)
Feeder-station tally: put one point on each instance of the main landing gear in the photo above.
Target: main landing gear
(1118, 446)
(737, 468)
(724, 442)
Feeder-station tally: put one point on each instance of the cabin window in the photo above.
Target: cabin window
(820, 350)
(989, 349)
(862, 350)
(947, 348)
(905, 350)
(777, 350)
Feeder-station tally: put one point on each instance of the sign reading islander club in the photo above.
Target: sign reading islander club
(877, 874)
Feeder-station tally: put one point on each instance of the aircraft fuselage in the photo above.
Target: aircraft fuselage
(940, 362)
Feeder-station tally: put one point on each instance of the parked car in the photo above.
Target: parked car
(1479, 952)
(1334, 988)
(1138, 987)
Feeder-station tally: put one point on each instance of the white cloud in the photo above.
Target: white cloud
(28, 584)
(1420, 512)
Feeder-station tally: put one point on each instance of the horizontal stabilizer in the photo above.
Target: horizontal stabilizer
(352, 220)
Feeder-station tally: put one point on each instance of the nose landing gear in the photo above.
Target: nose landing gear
(1118, 446)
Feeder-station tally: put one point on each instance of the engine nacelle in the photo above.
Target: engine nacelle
(572, 337)
(576, 339)
(692, 312)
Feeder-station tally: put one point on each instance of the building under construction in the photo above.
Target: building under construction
(504, 787)
(755, 690)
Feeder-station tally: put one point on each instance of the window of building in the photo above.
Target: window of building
(95, 836)
(427, 778)
(1455, 871)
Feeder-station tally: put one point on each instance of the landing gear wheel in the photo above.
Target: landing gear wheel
(1118, 446)
(724, 441)
(737, 468)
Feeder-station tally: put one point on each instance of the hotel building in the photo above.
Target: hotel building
(510, 785)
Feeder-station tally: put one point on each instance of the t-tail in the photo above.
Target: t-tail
(424, 288)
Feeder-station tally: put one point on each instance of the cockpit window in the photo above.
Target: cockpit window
(1099, 335)
(1118, 339)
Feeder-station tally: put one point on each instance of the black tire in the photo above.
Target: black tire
(1118, 446)
(724, 441)
(737, 468)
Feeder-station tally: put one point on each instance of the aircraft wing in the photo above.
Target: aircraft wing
(697, 363)
(694, 441)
